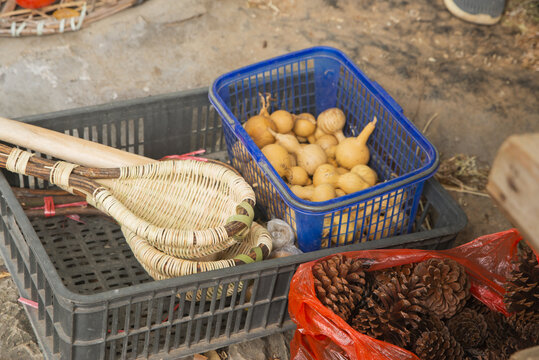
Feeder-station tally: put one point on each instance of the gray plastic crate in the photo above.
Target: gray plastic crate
(96, 301)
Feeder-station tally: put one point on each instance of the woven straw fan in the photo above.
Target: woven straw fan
(184, 209)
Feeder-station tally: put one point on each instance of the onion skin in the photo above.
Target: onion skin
(325, 174)
(319, 193)
(283, 120)
(303, 192)
(305, 125)
(349, 182)
(308, 156)
(331, 151)
(257, 127)
(311, 157)
(318, 133)
(332, 121)
(323, 192)
(297, 176)
(339, 192)
(278, 158)
(293, 161)
(327, 141)
(366, 173)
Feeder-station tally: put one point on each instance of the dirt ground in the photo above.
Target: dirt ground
(467, 87)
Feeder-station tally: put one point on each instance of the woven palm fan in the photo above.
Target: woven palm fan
(172, 213)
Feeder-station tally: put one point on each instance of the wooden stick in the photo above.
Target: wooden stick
(30, 202)
(72, 210)
(65, 147)
(38, 193)
(9, 6)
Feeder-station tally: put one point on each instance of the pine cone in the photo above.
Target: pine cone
(391, 313)
(468, 327)
(477, 306)
(483, 354)
(497, 330)
(339, 284)
(447, 286)
(510, 346)
(428, 323)
(527, 330)
(502, 339)
(434, 345)
(402, 272)
(522, 296)
(431, 323)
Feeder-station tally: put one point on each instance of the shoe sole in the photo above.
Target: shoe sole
(481, 19)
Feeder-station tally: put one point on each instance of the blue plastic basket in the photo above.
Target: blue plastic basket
(313, 80)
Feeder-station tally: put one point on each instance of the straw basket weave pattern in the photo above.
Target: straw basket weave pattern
(59, 17)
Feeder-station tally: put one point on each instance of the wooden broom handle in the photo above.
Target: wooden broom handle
(66, 147)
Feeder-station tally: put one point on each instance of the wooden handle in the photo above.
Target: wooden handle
(65, 147)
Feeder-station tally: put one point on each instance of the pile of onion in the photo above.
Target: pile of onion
(313, 156)
(319, 163)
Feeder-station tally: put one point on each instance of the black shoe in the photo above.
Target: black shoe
(483, 12)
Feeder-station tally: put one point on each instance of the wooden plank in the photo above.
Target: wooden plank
(514, 184)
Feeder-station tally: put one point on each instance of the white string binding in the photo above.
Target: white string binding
(78, 25)
(16, 31)
(17, 160)
(40, 26)
(60, 173)
(62, 26)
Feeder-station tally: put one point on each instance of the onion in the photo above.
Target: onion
(257, 126)
(366, 173)
(318, 193)
(339, 192)
(308, 156)
(354, 151)
(278, 158)
(297, 176)
(349, 182)
(305, 125)
(283, 121)
(326, 141)
(331, 121)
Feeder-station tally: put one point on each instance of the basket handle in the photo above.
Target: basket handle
(262, 249)
(66, 147)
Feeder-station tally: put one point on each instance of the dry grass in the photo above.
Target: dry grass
(463, 173)
(523, 15)
(527, 10)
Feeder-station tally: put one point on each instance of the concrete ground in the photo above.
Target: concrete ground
(473, 85)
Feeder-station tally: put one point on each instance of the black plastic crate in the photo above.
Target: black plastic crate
(96, 301)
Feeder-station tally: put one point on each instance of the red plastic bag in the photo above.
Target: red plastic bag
(321, 334)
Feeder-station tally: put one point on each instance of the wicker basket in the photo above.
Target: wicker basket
(161, 266)
(179, 217)
(61, 16)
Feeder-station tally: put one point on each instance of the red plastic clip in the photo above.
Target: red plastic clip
(48, 206)
(28, 302)
(75, 204)
(187, 156)
(75, 217)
